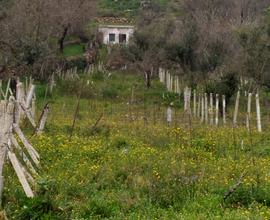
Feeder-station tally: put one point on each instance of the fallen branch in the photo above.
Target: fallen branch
(234, 187)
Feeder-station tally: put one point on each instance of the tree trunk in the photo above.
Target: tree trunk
(62, 39)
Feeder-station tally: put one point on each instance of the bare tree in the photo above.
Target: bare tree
(39, 23)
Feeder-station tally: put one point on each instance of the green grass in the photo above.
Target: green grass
(74, 50)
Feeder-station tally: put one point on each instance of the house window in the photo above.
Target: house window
(111, 37)
(122, 38)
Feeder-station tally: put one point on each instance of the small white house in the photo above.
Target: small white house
(116, 34)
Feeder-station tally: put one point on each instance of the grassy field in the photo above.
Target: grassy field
(131, 165)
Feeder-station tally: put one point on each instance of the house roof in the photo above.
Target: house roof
(116, 26)
(119, 21)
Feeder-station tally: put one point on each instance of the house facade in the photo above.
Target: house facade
(116, 34)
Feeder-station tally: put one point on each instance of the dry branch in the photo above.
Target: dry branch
(234, 187)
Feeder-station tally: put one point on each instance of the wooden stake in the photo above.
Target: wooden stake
(217, 109)
(194, 103)
(29, 97)
(189, 100)
(26, 187)
(169, 116)
(6, 119)
(224, 109)
(199, 106)
(211, 109)
(43, 119)
(248, 111)
(1, 90)
(236, 109)
(206, 107)
(7, 90)
(32, 152)
(28, 115)
(33, 107)
(19, 100)
(185, 99)
(258, 111)
(202, 108)
(23, 155)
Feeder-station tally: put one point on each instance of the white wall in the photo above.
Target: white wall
(113, 29)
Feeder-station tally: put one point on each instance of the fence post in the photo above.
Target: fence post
(217, 109)
(206, 107)
(194, 102)
(202, 108)
(258, 111)
(211, 109)
(224, 109)
(236, 109)
(169, 116)
(199, 106)
(248, 111)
